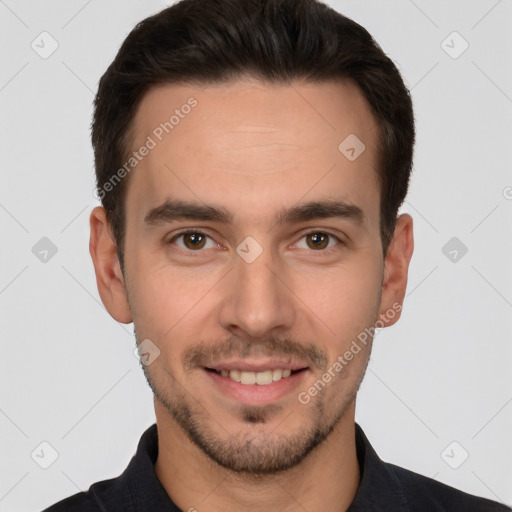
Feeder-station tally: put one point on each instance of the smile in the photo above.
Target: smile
(262, 378)
(256, 382)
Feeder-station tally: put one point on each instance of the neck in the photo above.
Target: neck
(326, 480)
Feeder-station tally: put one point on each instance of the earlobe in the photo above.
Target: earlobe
(109, 278)
(396, 270)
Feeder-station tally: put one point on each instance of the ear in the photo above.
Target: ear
(396, 268)
(109, 278)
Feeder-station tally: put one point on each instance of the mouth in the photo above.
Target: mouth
(257, 383)
(261, 378)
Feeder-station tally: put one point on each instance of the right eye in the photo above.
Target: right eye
(193, 241)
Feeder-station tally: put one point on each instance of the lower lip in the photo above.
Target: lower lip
(256, 394)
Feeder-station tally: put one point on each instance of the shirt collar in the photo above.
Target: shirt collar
(138, 487)
(379, 487)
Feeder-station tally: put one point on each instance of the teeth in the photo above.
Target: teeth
(235, 375)
(264, 378)
(260, 378)
(247, 377)
(277, 375)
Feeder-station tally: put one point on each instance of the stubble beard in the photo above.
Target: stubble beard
(259, 452)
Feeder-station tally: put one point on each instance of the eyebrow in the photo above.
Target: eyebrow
(172, 210)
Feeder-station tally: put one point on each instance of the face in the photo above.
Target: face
(253, 261)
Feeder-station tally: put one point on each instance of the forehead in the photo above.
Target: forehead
(270, 144)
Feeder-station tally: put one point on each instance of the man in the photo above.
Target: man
(251, 157)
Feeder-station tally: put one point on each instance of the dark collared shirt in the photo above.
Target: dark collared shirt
(383, 487)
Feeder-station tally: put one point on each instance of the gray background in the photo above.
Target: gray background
(442, 374)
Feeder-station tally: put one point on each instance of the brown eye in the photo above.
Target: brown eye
(194, 240)
(317, 240)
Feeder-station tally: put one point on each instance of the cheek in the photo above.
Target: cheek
(345, 295)
(167, 302)
(346, 300)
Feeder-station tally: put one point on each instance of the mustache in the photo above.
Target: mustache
(205, 354)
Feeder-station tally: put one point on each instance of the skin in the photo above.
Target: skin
(254, 149)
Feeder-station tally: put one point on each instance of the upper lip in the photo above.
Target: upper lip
(245, 365)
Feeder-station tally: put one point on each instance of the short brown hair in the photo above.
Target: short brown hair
(205, 41)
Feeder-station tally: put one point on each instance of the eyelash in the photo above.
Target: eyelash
(311, 232)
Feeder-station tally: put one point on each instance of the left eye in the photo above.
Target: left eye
(194, 240)
(318, 240)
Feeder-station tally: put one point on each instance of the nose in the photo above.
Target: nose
(257, 301)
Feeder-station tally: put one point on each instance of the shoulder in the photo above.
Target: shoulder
(81, 502)
(136, 488)
(385, 486)
(100, 494)
(424, 493)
